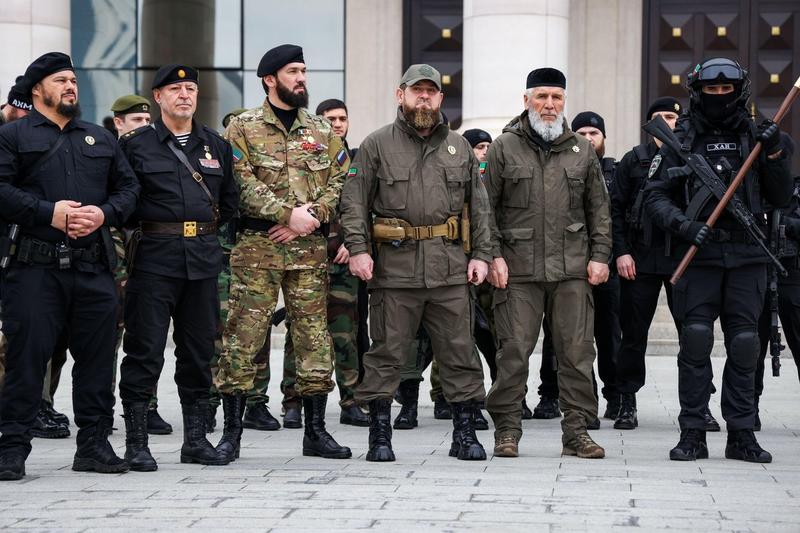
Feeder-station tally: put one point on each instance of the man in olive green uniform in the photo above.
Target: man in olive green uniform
(418, 179)
(552, 233)
(290, 167)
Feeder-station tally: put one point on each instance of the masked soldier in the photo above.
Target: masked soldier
(727, 278)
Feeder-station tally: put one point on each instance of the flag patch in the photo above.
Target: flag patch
(237, 154)
(341, 157)
(352, 172)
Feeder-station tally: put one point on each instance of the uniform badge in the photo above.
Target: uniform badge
(451, 149)
(576, 149)
(310, 138)
(237, 154)
(208, 152)
(209, 163)
(352, 172)
(89, 140)
(654, 166)
(482, 168)
(341, 157)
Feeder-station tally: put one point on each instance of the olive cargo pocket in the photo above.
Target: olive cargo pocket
(517, 183)
(502, 321)
(577, 186)
(517, 250)
(588, 322)
(392, 187)
(457, 178)
(377, 326)
(576, 250)
(397, 261)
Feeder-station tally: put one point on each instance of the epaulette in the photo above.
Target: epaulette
(214, 132)
(133, 133)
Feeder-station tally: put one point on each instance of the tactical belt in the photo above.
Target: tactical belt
(35, 252)
(732, 236)
(395, 229)
(187, 229)
(260, 224)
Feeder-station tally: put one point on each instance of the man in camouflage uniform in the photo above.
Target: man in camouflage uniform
(290, 167)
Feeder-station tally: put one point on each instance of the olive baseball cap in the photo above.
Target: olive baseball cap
(417, 73)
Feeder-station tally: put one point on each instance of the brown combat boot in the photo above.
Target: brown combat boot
(584, 447)
(506, 446)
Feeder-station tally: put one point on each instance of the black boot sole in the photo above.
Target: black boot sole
(747, 458)
(467, 455)
(382, 455)
(350, 422)
(61, 433)
(308, 452)
(701, 454)
(405, 425)
(8, 475)
(188, 459)
(81, 464)
(159, 431)
(261, 427)
(626, 425)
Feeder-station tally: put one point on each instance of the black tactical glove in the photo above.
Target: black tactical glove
(694, 232)
(770, 136)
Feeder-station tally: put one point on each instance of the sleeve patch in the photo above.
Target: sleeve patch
(352, 172)
(654, 166)
(237, 154)
(341, 157)
(482, 168)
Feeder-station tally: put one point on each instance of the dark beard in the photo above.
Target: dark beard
(421, 119)
(65, 110)
(290, 98)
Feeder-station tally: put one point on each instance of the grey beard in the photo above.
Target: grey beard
(549, 131)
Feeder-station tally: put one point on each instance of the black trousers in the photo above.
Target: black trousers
(736, 297)
(639, 299)
(39, 306)
(789, 312)
(150, 301)
(607, 336)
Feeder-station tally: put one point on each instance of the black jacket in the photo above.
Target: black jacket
(170, 194)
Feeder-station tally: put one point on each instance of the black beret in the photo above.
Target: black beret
(476, 136)
(43, 66)
(546, 77)
(19, 95)
(588, 118)
(278, 57)
(175, 74)
(665, 103)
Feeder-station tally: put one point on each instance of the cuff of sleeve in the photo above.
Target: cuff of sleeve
(483, 256)
(601, 254)
(284, 217)
(44, 213)
(621, 249)
(357, 249)
(110, 215)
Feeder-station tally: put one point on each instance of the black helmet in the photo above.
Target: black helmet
(717, 71)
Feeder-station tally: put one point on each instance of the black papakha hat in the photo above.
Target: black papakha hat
(546, 77)
(665, 103)
(588, 118)
(476, 136)
(43, 66)
(278, 57)
(175, 74)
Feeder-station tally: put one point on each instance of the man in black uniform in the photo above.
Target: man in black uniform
(606, 301)
(64, 182)
(645, 262)
(186, 172)
(727, 278)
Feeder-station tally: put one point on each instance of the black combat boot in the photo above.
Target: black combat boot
(527, 414)
(316, 440)
(353, 416)
(407, 417)
(95, 454)
(137, 454)
(710, 421)
(441, 409)
(692, 446)
(546, 409)
(211, 418)
(12, 464)
(291, 416)
(627, 417)
(479, 421)
(742, 445)
(46, 427)
(380, 431)
(196, 448)
(155, 424)
(59, 418)
(465, 444)
(230, 443)
(257, 416)
(612, 407)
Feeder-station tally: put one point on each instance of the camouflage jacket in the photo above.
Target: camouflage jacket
(277, 171)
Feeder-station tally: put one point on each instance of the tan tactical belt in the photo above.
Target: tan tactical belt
(395, 229)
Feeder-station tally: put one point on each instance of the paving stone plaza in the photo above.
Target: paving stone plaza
(272, 487)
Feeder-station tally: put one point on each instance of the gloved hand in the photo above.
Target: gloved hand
(694, 232)
(770, 136)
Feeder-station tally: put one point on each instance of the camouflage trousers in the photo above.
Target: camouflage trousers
(343, 328)
(254, 295)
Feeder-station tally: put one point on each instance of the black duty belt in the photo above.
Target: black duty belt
(35, 252)
(727, 235)
(187, 229)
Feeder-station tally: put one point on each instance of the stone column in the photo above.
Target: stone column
(503, 41)
(28, 29)
(374, 64)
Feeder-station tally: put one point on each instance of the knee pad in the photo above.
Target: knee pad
(697, 341)
(744, 348)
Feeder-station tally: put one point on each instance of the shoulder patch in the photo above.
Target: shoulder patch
(654, 166)
(482, 168)
(352, 172)
(237, 154)
(341, 156)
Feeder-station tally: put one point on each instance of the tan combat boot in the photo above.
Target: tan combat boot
(506, 446)
(584, 447)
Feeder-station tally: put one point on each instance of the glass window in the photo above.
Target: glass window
(318, 27)
(321, 86)
(103, 33)
(97, 90)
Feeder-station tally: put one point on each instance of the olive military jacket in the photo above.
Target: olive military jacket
(277, 171)
(399, 174)
(551, 206)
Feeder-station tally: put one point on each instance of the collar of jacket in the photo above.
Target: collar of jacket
(269, 117)
(163, 133)
(37, 119)
(521, 126)
(438, 134)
